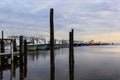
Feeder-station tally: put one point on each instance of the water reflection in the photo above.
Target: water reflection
(35, 55)
(23, 68)
(12, 67)
(91, 63)
(71, 68)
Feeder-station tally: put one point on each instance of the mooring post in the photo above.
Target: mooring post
(25, 50)
(21, 56)
(70, 50)
(14, 45)
(25, 58)
(2, 48)
(2, 43)
(71, 55)
(72, 44)
(52, 43)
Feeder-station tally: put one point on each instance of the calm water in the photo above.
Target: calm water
(91, 63)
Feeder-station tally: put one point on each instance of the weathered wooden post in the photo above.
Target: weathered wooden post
(14, 45)
(1, 58)
(52, 43)
(2, 43)
(15, 58)
(2, 48)
(25, 50)
(21, 56)
(71, 55)
(25, 58)
(72, 44)
(69, 47)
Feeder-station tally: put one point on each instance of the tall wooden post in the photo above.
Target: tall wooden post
(21, 56)
(70, 47)
(72, 43)
(25, 58)
(14, 45)
(25, 50)
(71, 55)
(2, 43)
(2, 48)
(52, 43)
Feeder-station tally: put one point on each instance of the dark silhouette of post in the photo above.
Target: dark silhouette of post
(70, 47)
(25, 58)
(52, 43)
(71, 55)
(14, 45)
(1, 58)
(2, 48)
(72, 44)
(1, 74)
(21, 56)
(2, 43)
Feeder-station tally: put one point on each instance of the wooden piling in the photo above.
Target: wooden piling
(25, 58)
(21, 56)
(21, 48)
(2, 48)
(2, 43)
(52, 43)
(70, 47)
(71, 55)
(72, 44)
(25, 50)
(14, 45)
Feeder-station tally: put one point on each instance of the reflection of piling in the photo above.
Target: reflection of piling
(71, 71)
(21, 57)
(71, 55)
(52, 44)
(12, 70)
(1, 74)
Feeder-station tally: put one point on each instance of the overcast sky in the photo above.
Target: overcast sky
(91, 19)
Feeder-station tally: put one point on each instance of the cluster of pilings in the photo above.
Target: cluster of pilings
(71, 49)
(20, 59)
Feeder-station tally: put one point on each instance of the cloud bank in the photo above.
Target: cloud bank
(91, 19)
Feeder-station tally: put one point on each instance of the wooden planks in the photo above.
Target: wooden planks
(9, 54)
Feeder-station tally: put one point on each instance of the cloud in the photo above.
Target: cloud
(86, 17)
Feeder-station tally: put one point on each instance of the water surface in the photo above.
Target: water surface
(90, 63)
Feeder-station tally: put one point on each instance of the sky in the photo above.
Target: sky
(97, 20)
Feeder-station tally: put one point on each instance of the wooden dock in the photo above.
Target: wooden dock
(9, 54)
